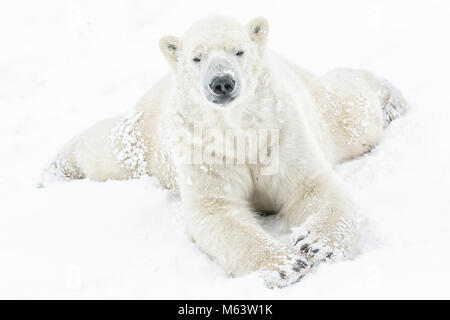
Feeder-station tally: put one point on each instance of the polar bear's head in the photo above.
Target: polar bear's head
(218, 60)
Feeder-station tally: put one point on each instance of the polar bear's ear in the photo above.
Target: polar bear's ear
(258, 29)
(170, 47)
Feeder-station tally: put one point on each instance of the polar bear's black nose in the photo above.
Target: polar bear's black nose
(222, 85)
(222, 82)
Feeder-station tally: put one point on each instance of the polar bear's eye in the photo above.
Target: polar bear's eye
(240, 53)
(197, 59)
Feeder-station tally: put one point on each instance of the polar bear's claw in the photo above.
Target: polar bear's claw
(300, 238)
(305, 248)
(300, 265)
(310, 248)
(288, 274)
(310, 251)
(315, 253)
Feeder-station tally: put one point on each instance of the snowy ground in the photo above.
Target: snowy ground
(66, 64)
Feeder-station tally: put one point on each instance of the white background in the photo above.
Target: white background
(66, 64)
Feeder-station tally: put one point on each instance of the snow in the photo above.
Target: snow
(128, 144)
(65, 65)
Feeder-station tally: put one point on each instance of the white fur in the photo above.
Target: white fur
(322, 121)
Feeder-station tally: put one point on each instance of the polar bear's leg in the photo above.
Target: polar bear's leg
(230, 235)
(359, 105)
(219, 219)
(391, 101)
(111, 149)
(323, 221)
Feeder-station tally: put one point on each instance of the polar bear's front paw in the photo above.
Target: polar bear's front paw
(310, 246)
(287, 274)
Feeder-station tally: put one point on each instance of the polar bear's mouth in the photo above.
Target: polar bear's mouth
(223, 100)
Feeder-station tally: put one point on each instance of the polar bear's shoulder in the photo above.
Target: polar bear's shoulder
(157, 95)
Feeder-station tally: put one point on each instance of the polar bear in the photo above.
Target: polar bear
(224, 78)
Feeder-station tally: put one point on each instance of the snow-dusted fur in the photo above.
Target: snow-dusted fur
(321, 121)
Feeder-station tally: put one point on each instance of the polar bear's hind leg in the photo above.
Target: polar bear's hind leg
(358, 107)
(63, 168)
(111, 149)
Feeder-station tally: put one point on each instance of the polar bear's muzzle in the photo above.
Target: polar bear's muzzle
(222, 85)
